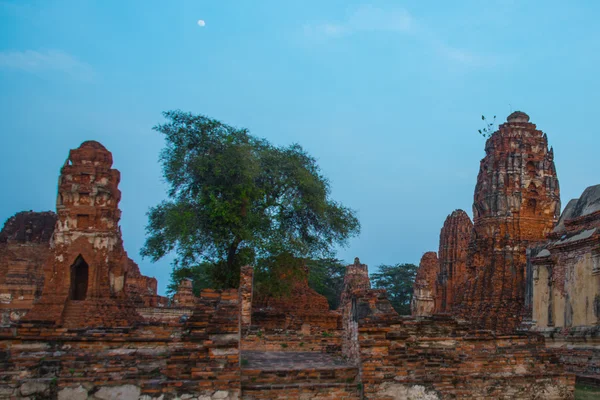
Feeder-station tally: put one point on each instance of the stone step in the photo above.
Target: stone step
(302, 391)
(333, 375)
(297, 375)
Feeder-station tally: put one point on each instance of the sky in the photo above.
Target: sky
(386, 95)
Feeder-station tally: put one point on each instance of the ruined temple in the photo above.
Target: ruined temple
(440, 357)
(454, 243)
(563, 293)
(516, 204)
(24, 248)
(297, 319)
(86, 270)
(423, 300)
(99, 330)
(566, 269)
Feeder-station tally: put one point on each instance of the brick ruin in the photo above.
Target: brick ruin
(298, 321)
(518, 267)
(423, 300)
(24, 247)
(564, 289)
(454, 241)
(80, 242)
(482, 270)
(438, 357)
(517, 203)
(91, 326)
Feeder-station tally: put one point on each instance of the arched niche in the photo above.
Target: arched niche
(79, 279)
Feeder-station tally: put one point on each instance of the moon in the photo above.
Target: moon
(201, 23)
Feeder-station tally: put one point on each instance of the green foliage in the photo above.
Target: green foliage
(235, 198)
(398, 280)
(489, 128)
(275, 275)
(200, 275)
(326, 277)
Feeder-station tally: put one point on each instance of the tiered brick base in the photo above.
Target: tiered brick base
(578, 350)
(297, 375)
(197, 358)
(440, 358)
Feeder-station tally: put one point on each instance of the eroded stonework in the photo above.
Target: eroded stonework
(454, 243)
(100, 332)
(297, 321)
(87, 268)
(24, 248)
(423, 301)
(517, 203)
(439, 357)
(565, 286)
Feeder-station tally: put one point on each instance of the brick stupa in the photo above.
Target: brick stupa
(516, 204)
(86, 272)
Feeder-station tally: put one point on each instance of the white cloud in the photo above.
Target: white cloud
(365, 19)
(48, 60)
(201, 23)
(466, 57)
(368, 18)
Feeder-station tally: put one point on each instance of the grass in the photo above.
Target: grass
(586, 392)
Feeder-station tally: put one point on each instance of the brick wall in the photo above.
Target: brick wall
(197, 358)
(441, 358)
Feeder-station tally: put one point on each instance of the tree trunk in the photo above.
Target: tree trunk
(231, 253)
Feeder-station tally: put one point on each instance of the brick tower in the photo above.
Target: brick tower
(516, 204)
(86, 271)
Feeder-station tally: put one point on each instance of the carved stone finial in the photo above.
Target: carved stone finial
(518, 116)
(356, 261)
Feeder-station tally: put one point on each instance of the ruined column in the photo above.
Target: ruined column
(356, 281)
(516, 204)
(423, 301)
(185, 294)
(246, 288)
(454, 243)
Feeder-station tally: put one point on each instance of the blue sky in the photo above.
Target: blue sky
(387, 95)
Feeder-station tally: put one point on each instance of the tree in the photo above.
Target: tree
(398, 280)
(326, 277)
(487, 131)
(233, 198)
(199, 275)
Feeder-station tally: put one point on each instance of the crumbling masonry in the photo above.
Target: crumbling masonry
(81, 322)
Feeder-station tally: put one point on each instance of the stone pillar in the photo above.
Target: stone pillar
(185, 294)
(357, 277)
(356, 281)
(423, 301)
(246, 288)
